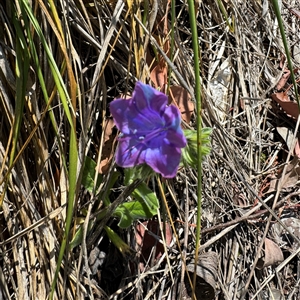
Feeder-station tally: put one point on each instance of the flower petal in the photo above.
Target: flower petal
(176, 138)
(172, 117)
(120, 110)
(130, 153)
(142, 112)
(151, 131)
(147, 97)
(164, 160)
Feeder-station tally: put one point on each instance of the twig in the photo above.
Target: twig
(248, 217)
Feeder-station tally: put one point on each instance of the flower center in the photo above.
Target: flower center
(143, 138)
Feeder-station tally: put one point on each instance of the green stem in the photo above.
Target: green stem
(199, 129)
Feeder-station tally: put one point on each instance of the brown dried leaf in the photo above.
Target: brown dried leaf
(290, 179)
(159, 76)
(182, 99)
(272, 255)
(159, 68)
(105, 164)
(107, 153)
(283, 80)
(297, 148)
(290, 107)
(109, 125)
(145, 241)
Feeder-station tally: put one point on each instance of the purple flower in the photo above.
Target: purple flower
(150, 131)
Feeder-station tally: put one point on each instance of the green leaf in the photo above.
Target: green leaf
(144, 206)
(189, 153)
(89, 171)
(129, 175)
(78, 236)
(124, 249)
(112, 181)
(141, 171)
(143, 194)
(123, 213)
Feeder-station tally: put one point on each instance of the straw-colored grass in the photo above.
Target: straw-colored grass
(61, 64)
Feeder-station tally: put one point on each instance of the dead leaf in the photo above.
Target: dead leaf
(290, 179)
(293, 10)
(158, 65)
(146, 241)
(206, 279)
(159, 76)
(287, 135)
(105, 164)
(297, 148)
(218, 88)
(182, 99)
(283, 80)
(283, 237)
(290, 107)
(109, 125)
(272, 255)
(107, 151)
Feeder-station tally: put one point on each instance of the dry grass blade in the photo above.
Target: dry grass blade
(100, 49)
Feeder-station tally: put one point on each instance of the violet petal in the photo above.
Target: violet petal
(150, 131)
(164, 160)
(149, 98)
(130, 153)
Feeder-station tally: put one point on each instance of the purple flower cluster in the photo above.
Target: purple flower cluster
(150, 131)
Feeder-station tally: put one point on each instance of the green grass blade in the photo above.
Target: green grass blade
(225, 15)
(22, 69)
(73, 156)
(286, 48)
(61, 88)
(38, 69)
(199, 128)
